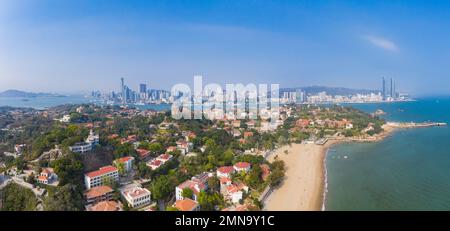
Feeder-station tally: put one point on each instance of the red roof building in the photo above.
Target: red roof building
(242, 167)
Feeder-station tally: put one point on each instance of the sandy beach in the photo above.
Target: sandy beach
(303, 186)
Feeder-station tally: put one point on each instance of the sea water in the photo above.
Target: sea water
(410, 170)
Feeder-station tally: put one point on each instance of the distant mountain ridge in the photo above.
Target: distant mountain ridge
(330, 90)
(23, 94)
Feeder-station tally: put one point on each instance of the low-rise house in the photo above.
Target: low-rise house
(171, 149)
(127, 163)
(93, 138)
(143, 153)
(225, 171)
(81, 147)
(248, 135)
(232, 191)
(197, 184)
(101, 176)
(154, 164)
(187, 205)
(137, 197)
(265, 171)
(242, 167)
(184, 146)
(105, 206)
(129, 139)
(47, 176)
(164, 158)
(98, 194)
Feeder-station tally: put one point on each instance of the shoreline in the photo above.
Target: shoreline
(305, 185)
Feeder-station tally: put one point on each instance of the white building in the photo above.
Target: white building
(127, 163)
(81, 147)
(93, 139)
(64, 119)
(242, 167)
(98, 178)
(225, 171)
(47, 176)
(197, 184)
(137, 197)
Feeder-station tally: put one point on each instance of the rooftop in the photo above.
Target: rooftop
(105, 206)
(101, 171)
(186, 205)
(98, 191)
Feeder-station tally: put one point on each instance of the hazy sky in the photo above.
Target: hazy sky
(82, 45)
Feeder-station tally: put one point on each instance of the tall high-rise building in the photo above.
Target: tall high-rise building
(392, 93)
(142, 88)
(395, 92)
(300, 96)
(122, 90)
(384, 89)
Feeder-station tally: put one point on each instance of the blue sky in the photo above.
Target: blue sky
(81, 45)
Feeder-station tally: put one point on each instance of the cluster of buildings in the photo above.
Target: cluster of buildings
(387, 93)
(128, 96)
(233, 191)
(100, 196)
(91, 141)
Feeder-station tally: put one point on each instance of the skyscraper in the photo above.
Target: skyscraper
(122, 89)
(142, 88)
(392, 95)
(384, 89)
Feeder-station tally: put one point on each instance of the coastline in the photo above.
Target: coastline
(304, 187)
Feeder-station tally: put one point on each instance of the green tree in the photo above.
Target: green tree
(254, 177)
(161, 187)
(69, 170)
(65, 198)
(187, 193)
(17, 198)
(213, 184)
(156, 148)
(172, 209)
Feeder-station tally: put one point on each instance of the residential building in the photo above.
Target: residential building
(164, 158)
(105, 206)
(143, 154)
(93, 139)
(154, 164)
(81, 147)
(197, 184)
(127, 163)
(225, 171)
(187, 205)
(137, 197)
(98, 178)
(242, 167)
(98, 194)
(47, 176)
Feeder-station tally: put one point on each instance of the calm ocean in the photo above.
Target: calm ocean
(408, 171)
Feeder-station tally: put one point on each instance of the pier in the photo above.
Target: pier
(416, 125)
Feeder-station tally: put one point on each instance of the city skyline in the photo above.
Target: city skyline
(295, 44)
